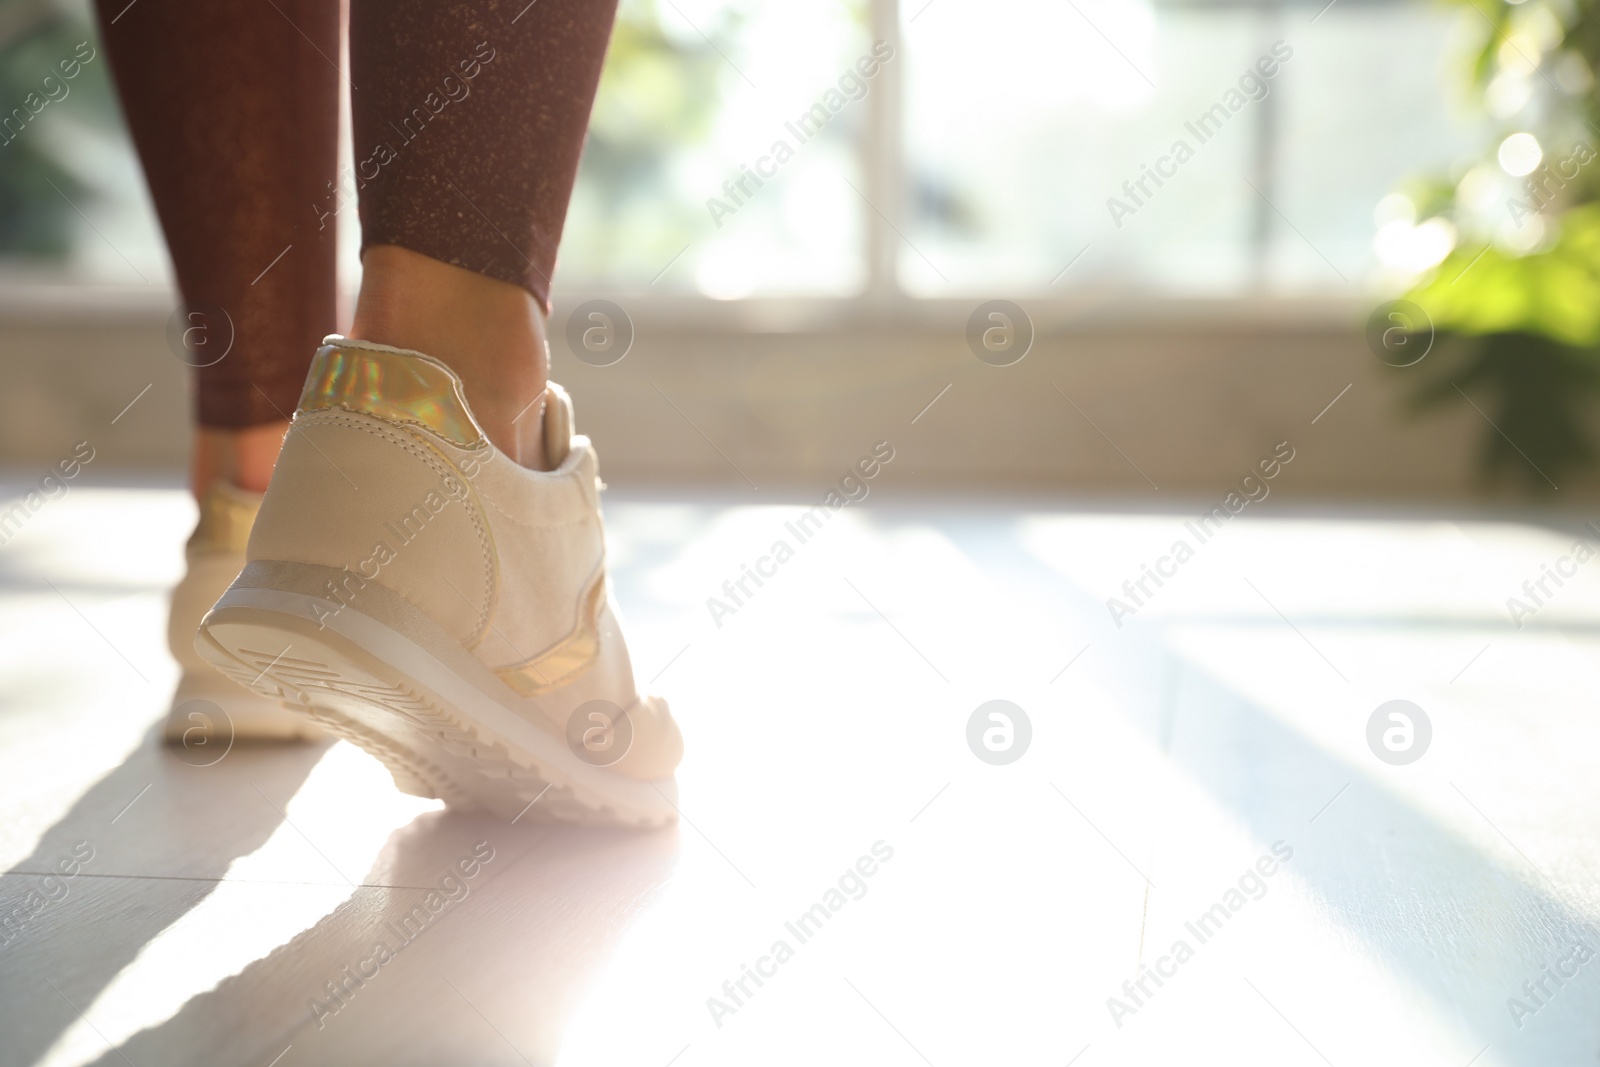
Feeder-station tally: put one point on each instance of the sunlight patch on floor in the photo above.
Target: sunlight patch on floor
(345, 812)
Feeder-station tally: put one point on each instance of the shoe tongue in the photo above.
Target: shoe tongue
(557, 424)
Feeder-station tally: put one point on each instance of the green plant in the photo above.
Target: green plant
(1517, 298)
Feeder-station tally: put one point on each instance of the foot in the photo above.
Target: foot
(489, 332)
(241, 457)
(412, 588)
(215, 555)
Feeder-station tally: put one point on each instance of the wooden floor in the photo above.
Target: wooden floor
(286, 906)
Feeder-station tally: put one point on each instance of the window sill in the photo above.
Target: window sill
(24, 302)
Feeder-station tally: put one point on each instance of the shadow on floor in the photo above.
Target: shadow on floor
(201, 834)
(499, 970)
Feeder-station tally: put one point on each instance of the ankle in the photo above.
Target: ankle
(244, 458)
(490, 332)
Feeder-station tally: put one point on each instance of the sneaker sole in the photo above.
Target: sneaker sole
(443, 724)
(250, 717)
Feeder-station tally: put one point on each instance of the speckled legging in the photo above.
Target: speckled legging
(468, 119)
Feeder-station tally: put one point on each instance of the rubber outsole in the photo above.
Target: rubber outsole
(340, 671)
(250, 717)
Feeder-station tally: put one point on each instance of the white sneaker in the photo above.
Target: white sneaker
(214, 557)
(413, 589)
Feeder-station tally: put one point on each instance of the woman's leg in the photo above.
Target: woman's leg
(233, 109)
(446, 606)
(469, 119)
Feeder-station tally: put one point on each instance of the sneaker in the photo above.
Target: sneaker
(214, 557)
(411, 588)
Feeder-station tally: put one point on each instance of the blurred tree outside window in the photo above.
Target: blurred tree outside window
(53, 134)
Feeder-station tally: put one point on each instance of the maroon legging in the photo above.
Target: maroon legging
(469, 116)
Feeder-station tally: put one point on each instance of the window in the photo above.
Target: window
(1024, 123)
(1023, 147)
